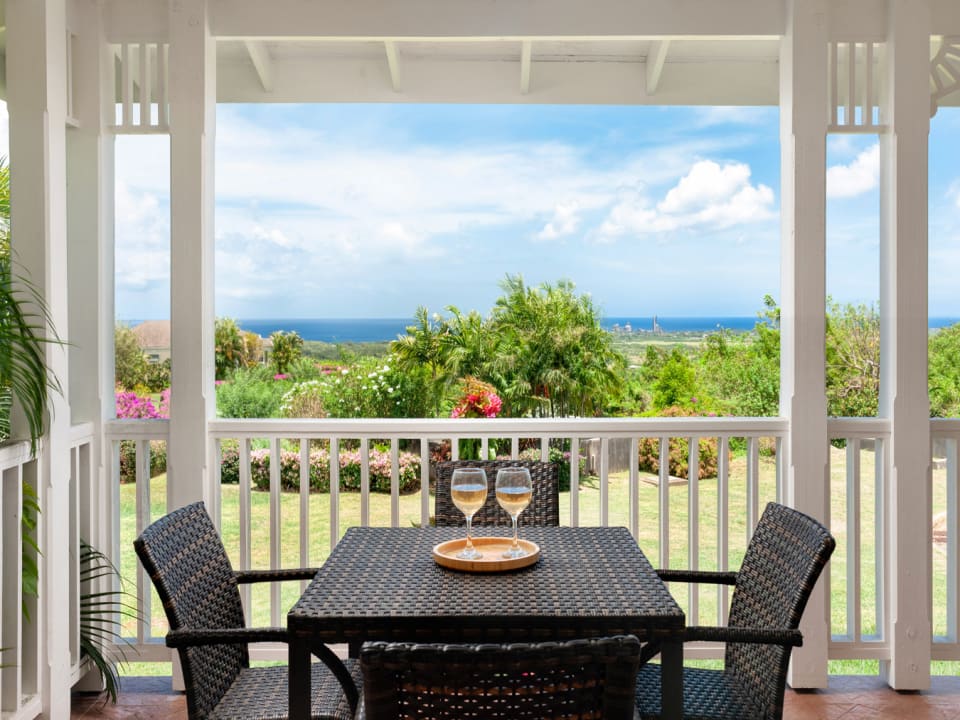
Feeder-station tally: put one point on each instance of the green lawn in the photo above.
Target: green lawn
(589, 503)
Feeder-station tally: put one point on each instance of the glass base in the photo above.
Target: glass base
(469, 554)
(517, 553)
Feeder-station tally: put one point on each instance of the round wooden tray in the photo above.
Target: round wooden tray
(445, 554)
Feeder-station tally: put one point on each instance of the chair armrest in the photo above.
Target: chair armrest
(716, 577)
(758, 636)
(224, 636)
(253, 576)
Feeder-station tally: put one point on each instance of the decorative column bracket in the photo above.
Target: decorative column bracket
(944, 72)
(141, 81)
(854, 99)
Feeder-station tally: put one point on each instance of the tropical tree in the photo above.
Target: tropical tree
(287, 348)
(853, 360)
(228, 347)
(468, 343)
(944, 372)
(741, 371)
(130, 364)
(555, 359)
(677, 384)
(252, 349)
(426, 347)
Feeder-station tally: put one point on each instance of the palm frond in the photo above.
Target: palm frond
(100, 613)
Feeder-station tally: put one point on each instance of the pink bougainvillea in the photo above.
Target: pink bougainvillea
(131, 406)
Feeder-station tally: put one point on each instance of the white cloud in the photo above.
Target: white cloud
(731, 115)
(860, 176)
(566, 221)
(707, 196)
(705, 184)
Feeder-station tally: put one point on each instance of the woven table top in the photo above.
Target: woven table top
(382, 584)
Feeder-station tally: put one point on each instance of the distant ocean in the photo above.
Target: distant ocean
(339, 330)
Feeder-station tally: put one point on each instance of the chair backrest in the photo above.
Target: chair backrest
(574, 680)
(544, 508)
(785, 556)
(185, 558)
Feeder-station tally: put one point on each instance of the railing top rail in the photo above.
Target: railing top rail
(15, 453)
(846, 427)
(501, 427)
(136, 429)
(945, 426)
(82, 433)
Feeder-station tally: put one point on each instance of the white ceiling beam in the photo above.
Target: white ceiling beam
(260, 57)
(393, 62)
(656, 58)
(488, 19)
(432, 80)
(525, 52)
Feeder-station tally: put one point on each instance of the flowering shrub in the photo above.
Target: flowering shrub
(409, 479)
(131, 405)
(128, 459)
(372, 387)
(477, 400)
(679, 450)
(303, 400)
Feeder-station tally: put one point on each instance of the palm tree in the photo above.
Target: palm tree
(425, 347)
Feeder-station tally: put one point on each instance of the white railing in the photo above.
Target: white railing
(945, 559)
(19, 638)
(857, 496)
(270, 517)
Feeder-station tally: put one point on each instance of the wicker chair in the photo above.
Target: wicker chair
(783, 561)
(574, 680)
(544, 508)
(185, 558)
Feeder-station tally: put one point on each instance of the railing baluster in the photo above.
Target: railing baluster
(663, 495)
(693, 524)
(604, 481)
(364, 481)
(723, 524)
(753, 485)
(953, 525)
(853, 539)
(424, 482)
(276, 462)
(142, 480)
(304, 504)
(574, 482)
(635, 488)
(395, 482)
(245, 490)
(334, 491)
(879, 529)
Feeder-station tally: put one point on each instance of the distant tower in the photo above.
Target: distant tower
(656, 326)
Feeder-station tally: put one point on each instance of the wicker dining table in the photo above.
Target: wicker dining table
(383, 584)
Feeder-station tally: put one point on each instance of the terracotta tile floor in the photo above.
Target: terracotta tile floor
(850, 698)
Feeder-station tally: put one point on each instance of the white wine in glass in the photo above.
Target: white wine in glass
(468, 490)
(514, 492)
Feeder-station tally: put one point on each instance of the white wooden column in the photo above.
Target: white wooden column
(903, 341)
(90, 198)
(803, 127)
(192, 122)
(36, 85)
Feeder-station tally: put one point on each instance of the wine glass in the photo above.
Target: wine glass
(468, 489)
(514, 490)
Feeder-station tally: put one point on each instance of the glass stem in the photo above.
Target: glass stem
(469, 545)
(516, 541)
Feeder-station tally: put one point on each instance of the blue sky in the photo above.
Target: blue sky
(371, 210)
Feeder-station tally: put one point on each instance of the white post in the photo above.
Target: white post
(90, 198)
(803, 128)
(36, 84)
(903, 341)
(90, 168)
(192, 123)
